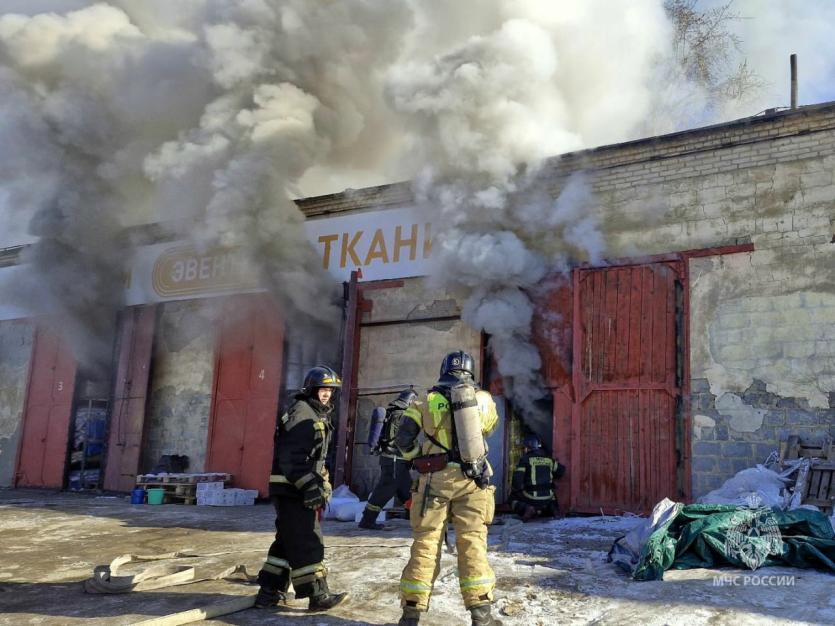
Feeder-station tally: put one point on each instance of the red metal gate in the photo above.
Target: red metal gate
(42, 459)
(127, 417)
(627, 378)
(246, 390)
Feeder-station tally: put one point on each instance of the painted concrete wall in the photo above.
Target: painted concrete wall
(180, 394)
(16, 340)
(392, 357)
(762, 331)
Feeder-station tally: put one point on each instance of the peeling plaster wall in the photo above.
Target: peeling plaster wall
(761, 319)
(16, 340)
(180, 397)
(737, 430)
(393, 356)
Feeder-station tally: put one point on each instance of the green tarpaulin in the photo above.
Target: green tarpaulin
(717, 535)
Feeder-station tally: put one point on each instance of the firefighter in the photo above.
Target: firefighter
(299, 488)
(532, 487)
(394, 469)
(454, 484)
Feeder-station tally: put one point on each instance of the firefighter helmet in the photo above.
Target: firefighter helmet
(408, 396)
(532, 442)
(458, 361)
(320, 376)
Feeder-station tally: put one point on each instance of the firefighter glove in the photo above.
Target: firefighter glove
(314, 496)
(313, 490)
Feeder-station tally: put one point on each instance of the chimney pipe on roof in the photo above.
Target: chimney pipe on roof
(793, 64)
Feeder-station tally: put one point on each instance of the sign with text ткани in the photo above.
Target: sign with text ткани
(393, 243)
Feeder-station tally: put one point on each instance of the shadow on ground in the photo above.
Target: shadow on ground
(31, 601)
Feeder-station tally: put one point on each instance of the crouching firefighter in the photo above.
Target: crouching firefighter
(453, 484)
(395, 478)
(299, 487)
(532, 487)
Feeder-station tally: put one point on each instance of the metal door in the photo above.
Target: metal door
(43, 450)
(246, 391)
(627, 376)
(127, 417)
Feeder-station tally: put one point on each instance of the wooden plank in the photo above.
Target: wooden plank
(634, 332)
(622, 324)
(643, 447)
(599, 339)
(792, 445)
(618, 475)
(578, 342)
(670, 352)
(658, 298)
(162, 479)
(814, 484)
(606, 474)
(610, 356)
(826, 481)
(646, 326)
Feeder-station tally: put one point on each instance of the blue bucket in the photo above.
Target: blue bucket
(137, 496)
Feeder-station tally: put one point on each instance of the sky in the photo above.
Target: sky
(769, 31)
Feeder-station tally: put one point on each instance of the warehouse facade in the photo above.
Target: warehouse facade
(703, 341)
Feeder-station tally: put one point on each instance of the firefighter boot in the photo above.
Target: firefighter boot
(369, 520)
(482, 617)
(322, 598)
(411, 616)
(268, 598)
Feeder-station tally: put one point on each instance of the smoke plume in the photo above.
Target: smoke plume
(201, 115)
(485, 111)
(211, 116)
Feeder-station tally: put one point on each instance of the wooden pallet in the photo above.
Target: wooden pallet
(188, 479)
(820, 487)
(794, 448)
(179, 488)
(176, 493)
(820, 483)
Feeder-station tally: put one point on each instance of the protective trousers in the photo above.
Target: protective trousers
(394, 479)
(520, 505)
(297, 553)
(456, 497)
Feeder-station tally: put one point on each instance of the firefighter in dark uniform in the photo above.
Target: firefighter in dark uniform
(532, 487)
(394, 469)
(299, 488)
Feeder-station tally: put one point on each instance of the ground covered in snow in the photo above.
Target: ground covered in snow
(548, 572)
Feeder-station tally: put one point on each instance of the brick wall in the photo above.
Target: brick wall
(761, 326)
(738, 430)
(762, 330)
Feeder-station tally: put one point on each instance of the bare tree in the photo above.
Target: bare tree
(709, 54)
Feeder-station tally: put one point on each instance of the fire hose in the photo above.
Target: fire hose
(110, 579)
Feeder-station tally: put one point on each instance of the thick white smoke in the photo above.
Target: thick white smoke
(202, 115)
(211, 116)
(538, 79)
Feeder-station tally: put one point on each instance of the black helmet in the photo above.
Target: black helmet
(320, 376)
(532, 442)
(408, 396)
(458, 361)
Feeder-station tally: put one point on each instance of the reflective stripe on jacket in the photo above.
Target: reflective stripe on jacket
(300, 446)
(534, 475)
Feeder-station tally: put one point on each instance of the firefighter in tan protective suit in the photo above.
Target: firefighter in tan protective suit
(453, 484)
